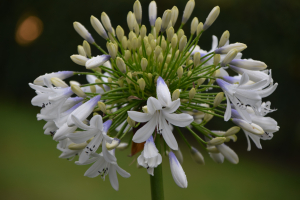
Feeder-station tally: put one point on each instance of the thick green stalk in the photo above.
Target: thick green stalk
(156, 181)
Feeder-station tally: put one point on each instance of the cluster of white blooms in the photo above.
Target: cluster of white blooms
(147, 85)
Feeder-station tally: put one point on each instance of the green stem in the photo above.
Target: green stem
(156, 181)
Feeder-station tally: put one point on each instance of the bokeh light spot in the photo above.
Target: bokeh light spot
(29, 30)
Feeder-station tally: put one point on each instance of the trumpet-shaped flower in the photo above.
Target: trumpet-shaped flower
(242, 94)
(160, 116)
(102, 167)
(98, 130)
(268, 124)
(150, 157)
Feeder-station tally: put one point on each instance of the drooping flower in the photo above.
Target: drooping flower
(102, 167)
(98, 131)
(150, 157)
(160, 115)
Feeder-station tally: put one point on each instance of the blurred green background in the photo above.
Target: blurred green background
(30, 168)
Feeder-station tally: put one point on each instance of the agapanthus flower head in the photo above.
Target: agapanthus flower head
(144, 87)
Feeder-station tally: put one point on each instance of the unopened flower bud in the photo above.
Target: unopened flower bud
(217, 59)
(127, 55)
(81, 50)
(160, 58)
(102, 106)
(170, 33)
(180, 34)
(251, 127)
(144, 63)
(81, 30)
(200, 81)
(74, 83)
(216, 141)
(98, 27)
(74, 146)
(175, 95)
(106, 22)
(194, 25)
(145, 109)
(158, 25)
(174, 15)
(58, 82)
(212, 149)
(199, 28)
(208, 117)
(113, 144)
(121, 64)
(176, 54)
(192, 93)
(182, 43)
(124, 42)
(197, 59)
(168, 60)
(137, 9)
(79, 59)
(150, 76)
(93, 89)
(189, 73)
(231, 137)
(149, 51)
(249, 64)
(122, 146)
(78, 91)
(163, 45)
(225, 49)
(134, 43)
(197, 156)
(214, 13)
(141, 83)
(152, 13)
(143, 31)
(130, 76)
(174, 41)
(131, 122)
(218, 99)
(96, 61)
(112, 50)
(229, 57)
(228, 153)
(165, 20)
(232, 131)
(224, 38)
(180, 71)
(121, 82)
(178, 154)
(153, 44)
(157, 51)
(87, 48)
(120, 33)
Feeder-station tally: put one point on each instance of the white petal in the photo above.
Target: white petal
(180, 120)
(227, 114)
(93, 170)
(173, 106)
(139, 116)
(153, 105)
(150, 149)
(113, 177)
(244, 79)
(81, 136)
(163, 92)
(90, 148)
(122, 172)
(144, 133)
(168, 135)
(79, 123)
(108, 156)
(150, 171)
(62, 132)
(97, 122)
(217, 157)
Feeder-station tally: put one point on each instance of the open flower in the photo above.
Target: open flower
(150, 157)
(242, 94)
(98, 130)
(102, 167)
(160, 116)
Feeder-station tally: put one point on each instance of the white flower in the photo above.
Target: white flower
(177, 171)
(98, 130)
(102, 167)
(66, 152)
(81, 30)
(255, 76)
(268, 124)
(81, 112)
(160, 111)
(96, 61)
(249, 64)
(62, 75)
(150, 157)
(242, 94)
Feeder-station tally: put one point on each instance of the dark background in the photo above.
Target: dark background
(270, 28)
